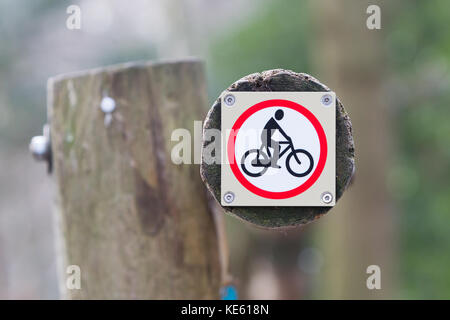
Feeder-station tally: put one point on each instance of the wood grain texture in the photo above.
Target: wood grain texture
(282, 217)
(137, 224)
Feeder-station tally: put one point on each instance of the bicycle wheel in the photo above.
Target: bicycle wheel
(250, 157)
(304, 167)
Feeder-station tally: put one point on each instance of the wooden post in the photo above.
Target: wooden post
(281, 217)
(137, 225)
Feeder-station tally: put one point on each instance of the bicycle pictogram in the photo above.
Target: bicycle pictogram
(256, 162)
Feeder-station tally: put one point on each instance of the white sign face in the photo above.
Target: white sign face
(278, 149)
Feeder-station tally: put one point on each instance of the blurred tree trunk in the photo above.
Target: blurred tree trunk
(360, 230)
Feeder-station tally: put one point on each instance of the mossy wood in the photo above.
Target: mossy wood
(277, 217)
(137, 225)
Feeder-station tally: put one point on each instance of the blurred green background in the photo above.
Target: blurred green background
(394, 83)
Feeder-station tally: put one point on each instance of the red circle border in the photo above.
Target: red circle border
(284, 194)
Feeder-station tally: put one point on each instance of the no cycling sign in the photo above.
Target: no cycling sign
(278, 148)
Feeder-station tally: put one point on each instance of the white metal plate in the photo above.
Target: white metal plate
(251, 175)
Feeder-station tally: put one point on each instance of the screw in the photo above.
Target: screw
(108, 104)
(326, 99)
(40, 147)
(327, 197)
(228, 197)
(229, 100)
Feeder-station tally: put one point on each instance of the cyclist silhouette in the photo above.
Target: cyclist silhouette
(251, 162)
(266, 137)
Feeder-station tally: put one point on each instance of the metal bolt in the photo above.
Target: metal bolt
(108, 104)
(229, 100)
(40, 147)
(327, 197)
(327, 99)
(228, 197)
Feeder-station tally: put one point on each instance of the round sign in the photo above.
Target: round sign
(277, 149)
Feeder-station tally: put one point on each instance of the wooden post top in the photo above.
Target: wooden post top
(281, 217)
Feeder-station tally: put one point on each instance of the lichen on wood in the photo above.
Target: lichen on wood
(281, 217)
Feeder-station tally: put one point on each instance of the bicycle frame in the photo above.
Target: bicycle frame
(290, 146)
